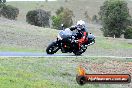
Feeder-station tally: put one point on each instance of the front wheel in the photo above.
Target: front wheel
(52, 48)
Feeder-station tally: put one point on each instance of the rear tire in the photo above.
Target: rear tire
(52, 48)
(77, 53)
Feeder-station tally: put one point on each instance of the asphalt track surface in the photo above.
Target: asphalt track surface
(29, 54)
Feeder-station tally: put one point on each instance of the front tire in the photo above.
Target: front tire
(52, 48)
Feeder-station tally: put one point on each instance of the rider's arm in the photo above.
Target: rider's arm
(84, 33)
(73, 28)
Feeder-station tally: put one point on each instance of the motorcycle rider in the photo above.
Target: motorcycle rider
(81, 32)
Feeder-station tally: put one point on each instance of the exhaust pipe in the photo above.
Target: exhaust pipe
(91, 43)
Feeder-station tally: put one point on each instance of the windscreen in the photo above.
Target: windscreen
(65, 33)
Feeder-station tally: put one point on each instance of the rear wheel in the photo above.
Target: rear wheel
(52, 48)
(77, 52)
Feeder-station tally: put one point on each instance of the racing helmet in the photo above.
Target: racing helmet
(80, 24)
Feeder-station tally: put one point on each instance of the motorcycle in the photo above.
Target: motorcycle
(67, 42)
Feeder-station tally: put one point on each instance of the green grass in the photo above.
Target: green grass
(45, 72)
(111, 43)
(21, 37)
(8, 48)
(101, 42)
(21, 83)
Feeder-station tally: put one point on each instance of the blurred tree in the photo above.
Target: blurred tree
(2, 1)
(94, 19)
(66, 0)
(67, 17)
(114, 15)
(128, 33)
(38, 17)
(9, 12)
(56, 22)
(88, 18)
(61, 9)
(63, 16)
